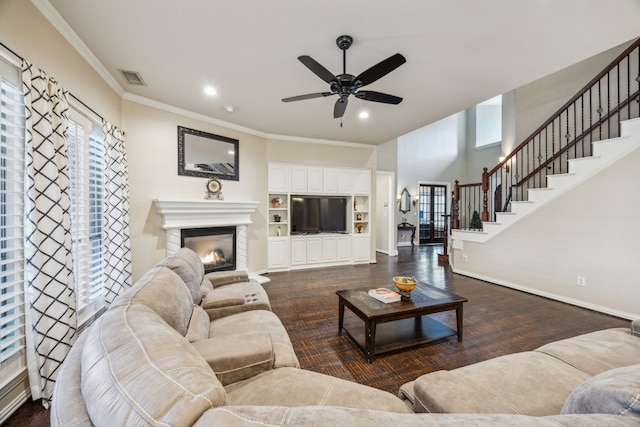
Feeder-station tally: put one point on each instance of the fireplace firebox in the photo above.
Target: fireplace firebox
(216, 246)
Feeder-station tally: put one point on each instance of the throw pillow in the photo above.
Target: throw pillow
(612, 392)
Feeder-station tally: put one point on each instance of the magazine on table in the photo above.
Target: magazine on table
(385, 295)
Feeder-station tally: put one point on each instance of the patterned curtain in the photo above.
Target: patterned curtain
(50, 301)
(117, 236)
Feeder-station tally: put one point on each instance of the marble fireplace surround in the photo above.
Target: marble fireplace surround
(184, 214)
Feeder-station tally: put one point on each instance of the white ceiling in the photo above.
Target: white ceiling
(459, 53)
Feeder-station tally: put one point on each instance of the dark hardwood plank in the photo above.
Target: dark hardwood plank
(497, 321)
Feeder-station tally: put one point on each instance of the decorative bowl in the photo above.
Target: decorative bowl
(405, 284)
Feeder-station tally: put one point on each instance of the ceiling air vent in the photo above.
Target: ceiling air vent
(132, 77)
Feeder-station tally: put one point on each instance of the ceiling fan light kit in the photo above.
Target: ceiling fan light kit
(345, 84)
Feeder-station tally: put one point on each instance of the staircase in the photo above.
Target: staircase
(591, 131)
(604, 154)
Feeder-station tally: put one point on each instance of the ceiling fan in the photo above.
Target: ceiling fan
(345, 84)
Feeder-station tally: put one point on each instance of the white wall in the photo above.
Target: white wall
(591, 231)
(435, 153)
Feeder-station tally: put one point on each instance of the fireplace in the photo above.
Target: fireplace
(216, 246)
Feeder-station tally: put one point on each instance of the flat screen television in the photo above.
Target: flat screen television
(318, 214)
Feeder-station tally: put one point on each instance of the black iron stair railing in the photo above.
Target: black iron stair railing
(593, 114)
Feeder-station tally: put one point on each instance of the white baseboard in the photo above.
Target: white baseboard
(556, 297)
(393, 252)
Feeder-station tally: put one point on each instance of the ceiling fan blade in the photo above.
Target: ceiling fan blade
(381, 69)
(370, 95)
(317, 69)
(340, 107)
(307, 96)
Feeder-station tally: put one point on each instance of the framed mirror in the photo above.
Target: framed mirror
(405, 201)
(205, 155)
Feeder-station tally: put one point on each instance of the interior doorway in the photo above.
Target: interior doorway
(432, 201)
(385, 214)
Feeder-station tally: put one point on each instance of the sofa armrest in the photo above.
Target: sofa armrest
(237, 357)
(635, 327)
(212, 300)
(222, 278)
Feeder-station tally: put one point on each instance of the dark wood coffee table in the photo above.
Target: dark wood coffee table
(398, 325)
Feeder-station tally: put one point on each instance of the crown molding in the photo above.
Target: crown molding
(128, 96)
(52, 15)
(58, 22)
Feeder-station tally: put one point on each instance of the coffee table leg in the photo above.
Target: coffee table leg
(340, 316)
(459, 320)
(370, 338)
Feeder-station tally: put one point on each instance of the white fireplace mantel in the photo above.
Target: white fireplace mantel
(183, 214)
(204, 213)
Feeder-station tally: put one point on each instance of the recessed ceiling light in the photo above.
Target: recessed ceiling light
(364, 115)
(210, 90)
(230, 109)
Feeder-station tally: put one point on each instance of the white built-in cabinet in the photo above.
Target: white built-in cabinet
(290, 252)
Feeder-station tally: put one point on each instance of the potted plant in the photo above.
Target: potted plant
(476, 223)
(276, 202)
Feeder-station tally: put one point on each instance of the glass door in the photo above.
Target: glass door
(433, 206)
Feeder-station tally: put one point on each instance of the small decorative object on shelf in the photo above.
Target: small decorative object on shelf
(405, 285)
(355, 204)
(276, 218)
(359, 227)
(276, 201)
(359, 217)
(214, 188)
(278, 231)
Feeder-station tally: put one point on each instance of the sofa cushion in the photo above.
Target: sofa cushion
(262, 321)
(68, 407)
(322, 416)
(198, 328)
(188, 265)
(163, 291)
(236, 298)
(612, 392)
(528, 383)
(136, 370)
(598, 351)
(298, 387)
(223, 278)
(237, 357)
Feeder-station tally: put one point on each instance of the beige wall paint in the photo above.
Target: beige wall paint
(152, 148)
(25, 31)
(538, 100)
(591, 231)
(153, 174)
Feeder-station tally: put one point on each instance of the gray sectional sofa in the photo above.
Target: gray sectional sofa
(180, 348)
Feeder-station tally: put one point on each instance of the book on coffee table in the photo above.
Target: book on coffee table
(385, 295)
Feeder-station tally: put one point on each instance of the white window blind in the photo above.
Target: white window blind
(12, 142)
(86, 175)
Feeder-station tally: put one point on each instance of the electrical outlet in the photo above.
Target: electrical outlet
(464, 257)
(582, 281)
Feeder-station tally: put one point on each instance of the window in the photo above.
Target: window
(12, 118)
(86, 175)
(489, 122)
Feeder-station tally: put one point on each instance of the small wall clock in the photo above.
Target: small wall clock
(214, 188)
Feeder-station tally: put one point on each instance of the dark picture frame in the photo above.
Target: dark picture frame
(205, 154)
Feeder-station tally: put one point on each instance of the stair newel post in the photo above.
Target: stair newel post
(485, 198)
(455, 198)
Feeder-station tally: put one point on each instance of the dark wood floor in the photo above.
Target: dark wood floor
(497, 321)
